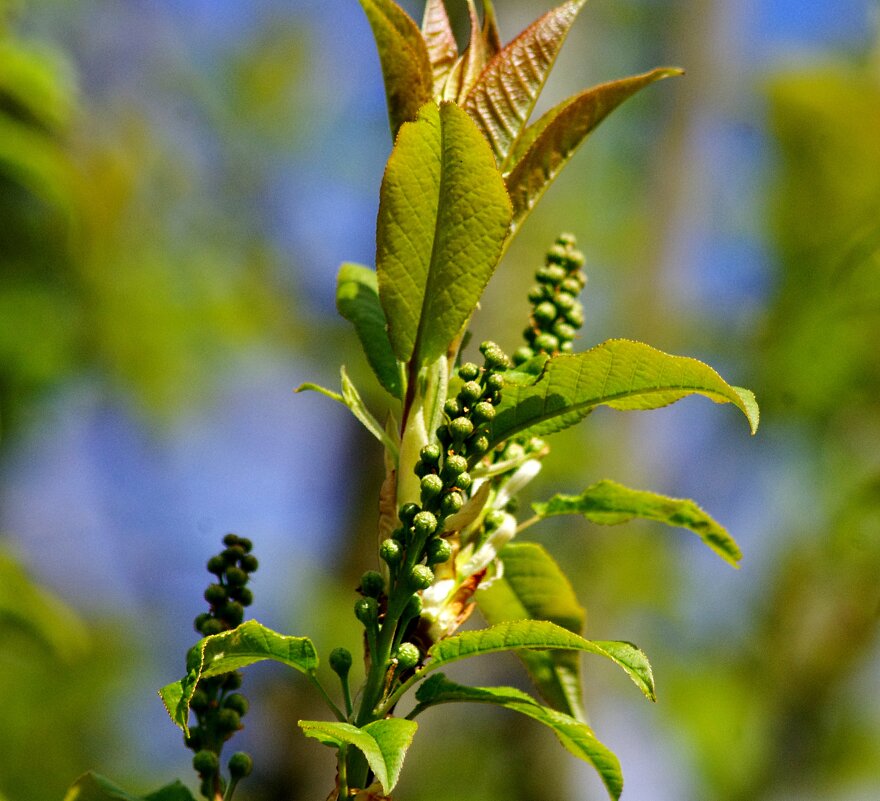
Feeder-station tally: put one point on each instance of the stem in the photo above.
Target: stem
(327, 699)
(527, 523)
(346, 696)
(342, 773)
(230, 789)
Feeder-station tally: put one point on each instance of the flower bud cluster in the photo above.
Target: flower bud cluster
(216, 704)
(557, 314)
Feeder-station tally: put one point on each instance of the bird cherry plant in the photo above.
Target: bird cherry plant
(467, 431)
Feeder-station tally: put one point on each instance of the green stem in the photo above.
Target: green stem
(327, 699)
(527, 523)
(342, 773)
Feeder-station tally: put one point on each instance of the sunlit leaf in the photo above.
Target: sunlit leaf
(443, 217)
(533, 586)
(576, 736)
(546, 146)
(94, 787)
(352, 399)
(618, 373)
(406, 66)
(474, 57)
(505, 93)
(440, 41)
(609, 503)
(357, 299)
(223, 653)
(383, 743)
(542, 635)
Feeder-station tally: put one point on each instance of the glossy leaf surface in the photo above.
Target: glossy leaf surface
(546, 146)
(383, 743)
(618, 373)
(533, 586)
(609, 503)
(540, 634)
(357, 299)
(223, 653)
(403, 55)
(503, 97)
(440, 41)
(443, 217)
(576, 736)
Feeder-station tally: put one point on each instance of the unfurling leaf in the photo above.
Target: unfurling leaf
(618, 373)
(357, 299)
(575, 735)
(440, 41)
(223, 653)
(383, 743)
(541, 635)
(546, 146)
(504, 95)
(609, 503)
(403, 55)
(532, 586)
(443, 217)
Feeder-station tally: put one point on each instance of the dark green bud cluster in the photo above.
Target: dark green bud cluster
(217, 707)
(557, 314)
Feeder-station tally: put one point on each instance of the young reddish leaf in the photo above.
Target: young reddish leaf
(442, 47)
(546, 146)
(505, 93)
(403, 55)
(491, 34)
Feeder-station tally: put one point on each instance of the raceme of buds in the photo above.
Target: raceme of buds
(557, 314)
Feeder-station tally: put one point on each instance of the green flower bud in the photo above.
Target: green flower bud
(201, 620)
(544, 313)
(430, 486)
(566, 239)
(231, 539)
(494, 519)
(564, 301)
(407, 656)
(566, 347)
(522, 355)
(228, 720)
(240, 766)
(451, 503)
(421, 577)
(421, 469)
(464, 481)
(236, 702)
(468, 372)
(206, 763)
(537, 294)
(461, 428)
(236, 577)
(483, 412)
(557, 254)
(424, 524)
(245, 543)
(215, 594)
(575, 315)
(216, 565)
(199, 701)
(469, 392)
(232, 680)
(452, 408)
(366, 610)
(413, 607)
(243, 595)
(213, 626)
(232, 613)
(249, 563)
(407, 512)
(555, 274)
(438, 551)
(571, 285)
(479, 445)
(494, 382)
(547, 343)
(372, 583)
(391, 552)
(494, 356)
(454, 466)
(431, 453)
(564, 331)
(340, 661)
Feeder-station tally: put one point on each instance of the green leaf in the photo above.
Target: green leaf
(546, 146)
(443, 217)
(357, 299)
(609, 503)
(576, 736)
(505, 93)
(223, 653)
(440, 41)
(516, 635)
(474, 57)
(618, 373)
(352, 399)
(533, 587)
(94, 787)
(403, 55)
(383, 743)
